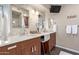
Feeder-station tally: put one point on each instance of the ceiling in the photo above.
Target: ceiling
(47, 5)
(39, 7)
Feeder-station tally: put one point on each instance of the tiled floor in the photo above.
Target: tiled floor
(64, 53)
(60, 51)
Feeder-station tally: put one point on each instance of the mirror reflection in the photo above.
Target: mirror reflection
(16, 19)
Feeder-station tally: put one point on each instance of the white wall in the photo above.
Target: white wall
(61, 21)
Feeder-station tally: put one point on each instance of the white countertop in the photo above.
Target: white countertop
(19, 38)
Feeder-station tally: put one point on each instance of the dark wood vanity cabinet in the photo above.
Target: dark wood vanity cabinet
(49, 45)
(9, 50)
(3, 51)
(27, 47)
(31, 47)
(52, 41)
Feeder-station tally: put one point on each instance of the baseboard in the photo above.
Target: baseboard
(68, 49)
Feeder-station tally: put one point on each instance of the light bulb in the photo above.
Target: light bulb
(13, 22)
(37, 13)
(33, 11)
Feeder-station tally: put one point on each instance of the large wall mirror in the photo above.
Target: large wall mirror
(41, 22)
(16, 19)
(1, 21)
(19, 20)
(16, 22)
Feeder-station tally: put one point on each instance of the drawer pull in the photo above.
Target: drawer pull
(12, 47)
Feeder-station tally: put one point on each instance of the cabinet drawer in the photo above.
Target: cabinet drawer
(3, 51)
(9, 50)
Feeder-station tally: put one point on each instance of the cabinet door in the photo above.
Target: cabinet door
(46, 47)
(52, 41)
(36, 46)
(26, 50)
(31, 47)
(51, 45)
(3, 51)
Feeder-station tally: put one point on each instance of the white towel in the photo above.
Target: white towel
(68, 29)
(74, 29)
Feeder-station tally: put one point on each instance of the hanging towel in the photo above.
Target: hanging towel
(68, 29)
(74, 29)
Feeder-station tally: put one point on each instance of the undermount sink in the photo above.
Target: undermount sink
(45, 38)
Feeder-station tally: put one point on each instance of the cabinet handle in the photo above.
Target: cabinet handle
(32, 49)
(12, 47)
(35, 48)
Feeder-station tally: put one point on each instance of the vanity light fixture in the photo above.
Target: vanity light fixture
(52, 21)
(7, 41)
(33, 11)
(13, 22)
(37, 13)
(24, 14)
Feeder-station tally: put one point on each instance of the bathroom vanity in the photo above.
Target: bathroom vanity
(30, 45)
(26, 47)
(47, 46)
